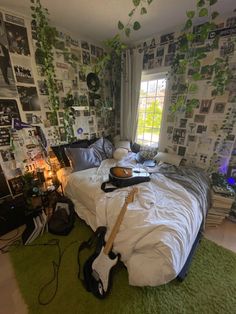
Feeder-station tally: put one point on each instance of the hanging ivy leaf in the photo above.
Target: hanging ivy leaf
(143, 11)
(200, 3)
(188, 24)
(190, 14)
(127, 31)
(131, 12)
(120, 25)
(212, 2)
(149, 1)
(136, 26)
(214, 15)
(203, 12)
(136, 3)
(196, 76)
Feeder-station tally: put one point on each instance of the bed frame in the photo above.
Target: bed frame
(184, 271)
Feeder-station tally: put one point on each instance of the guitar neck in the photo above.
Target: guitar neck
(115, 230)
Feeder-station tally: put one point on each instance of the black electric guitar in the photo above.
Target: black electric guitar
(98, 267)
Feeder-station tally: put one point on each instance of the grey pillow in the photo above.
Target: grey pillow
(103, 148)
(82, 158)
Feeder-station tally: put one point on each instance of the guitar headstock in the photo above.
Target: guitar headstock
(130, 196)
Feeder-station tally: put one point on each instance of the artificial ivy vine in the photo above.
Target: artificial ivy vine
(46, 40)
(185, 70)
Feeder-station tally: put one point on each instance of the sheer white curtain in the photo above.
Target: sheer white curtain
(130, 89)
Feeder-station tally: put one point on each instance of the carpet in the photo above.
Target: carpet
(210, 286)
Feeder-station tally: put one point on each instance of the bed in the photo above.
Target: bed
(160, 227)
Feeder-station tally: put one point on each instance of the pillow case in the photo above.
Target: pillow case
(82, 158)
(103, 148)
(168, 158)
(123, 144)
(59, 151)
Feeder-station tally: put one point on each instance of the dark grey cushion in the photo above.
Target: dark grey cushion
(82, 158)
(103, 148)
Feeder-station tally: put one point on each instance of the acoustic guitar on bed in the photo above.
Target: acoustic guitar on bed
(99, 265)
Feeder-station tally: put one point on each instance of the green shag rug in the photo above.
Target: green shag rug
(210, 286)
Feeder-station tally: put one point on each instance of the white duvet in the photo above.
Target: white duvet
(158, 229)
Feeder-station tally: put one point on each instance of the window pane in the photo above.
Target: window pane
(150, 111)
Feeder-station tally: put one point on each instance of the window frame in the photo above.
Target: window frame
(149, 76)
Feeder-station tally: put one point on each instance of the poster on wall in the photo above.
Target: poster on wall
(8, 111)
(28, 98)
(7, 84)
(4, 136)
(23, 70)
(17, 39)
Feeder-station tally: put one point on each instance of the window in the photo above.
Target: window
(151, 102)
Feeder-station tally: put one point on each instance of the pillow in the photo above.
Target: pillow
(168, 158)
(120, 153)
(123, 144)
(59, 151)
(146, 153)
(82, 158)
(103, 148)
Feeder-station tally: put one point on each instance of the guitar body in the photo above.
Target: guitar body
(97, 273)
(98, 267)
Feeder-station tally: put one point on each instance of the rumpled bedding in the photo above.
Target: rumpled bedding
(159, 227)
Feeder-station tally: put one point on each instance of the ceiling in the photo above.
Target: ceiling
(97, 19)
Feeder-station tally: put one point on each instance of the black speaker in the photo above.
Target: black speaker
(12, 214)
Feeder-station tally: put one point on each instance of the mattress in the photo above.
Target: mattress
(159, 227)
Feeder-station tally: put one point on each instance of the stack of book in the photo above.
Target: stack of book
(35, 226)
(220, 209)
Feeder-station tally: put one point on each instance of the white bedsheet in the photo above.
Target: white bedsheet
(158, 229)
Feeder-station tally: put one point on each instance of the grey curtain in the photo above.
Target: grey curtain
(132, 64)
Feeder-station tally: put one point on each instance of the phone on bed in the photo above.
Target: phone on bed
(149, 163)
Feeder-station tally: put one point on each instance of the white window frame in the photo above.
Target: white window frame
(153, 75)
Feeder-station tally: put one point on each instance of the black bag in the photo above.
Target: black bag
(63, 217)
(121, 177)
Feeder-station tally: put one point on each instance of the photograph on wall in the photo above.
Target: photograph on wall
(14, 19)
(227, 48)
(86, 57)
(76, 54)
(8, 111)
(219, 107)
(16, 185)
(7, 155)
(231, 86)
(191, 128)
(32, 118)
(23, 70)
(43, 89)
(199, 118)
(84, 45)
(181, 150)
(172, 47)
(232, 96)
(182, 123)
(4, 136)
(29, 98)
(201, 128)
(7, 83)
(207, 72)
(158, 62)
(99, 52)
(179, 136)
(51, 119)
(166, 38)
(205, 105)
(231, 22)
(17, 39)
(169, 59)
(59, 84)
(213, 127)
(225, 148)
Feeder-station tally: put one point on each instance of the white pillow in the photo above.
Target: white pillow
(120, 153)
(168, 158)
(123, 144)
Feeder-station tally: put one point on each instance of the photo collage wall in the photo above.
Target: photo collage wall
(200, 136)
(23, 92)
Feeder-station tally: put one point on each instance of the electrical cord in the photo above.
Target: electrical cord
(55, 264)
